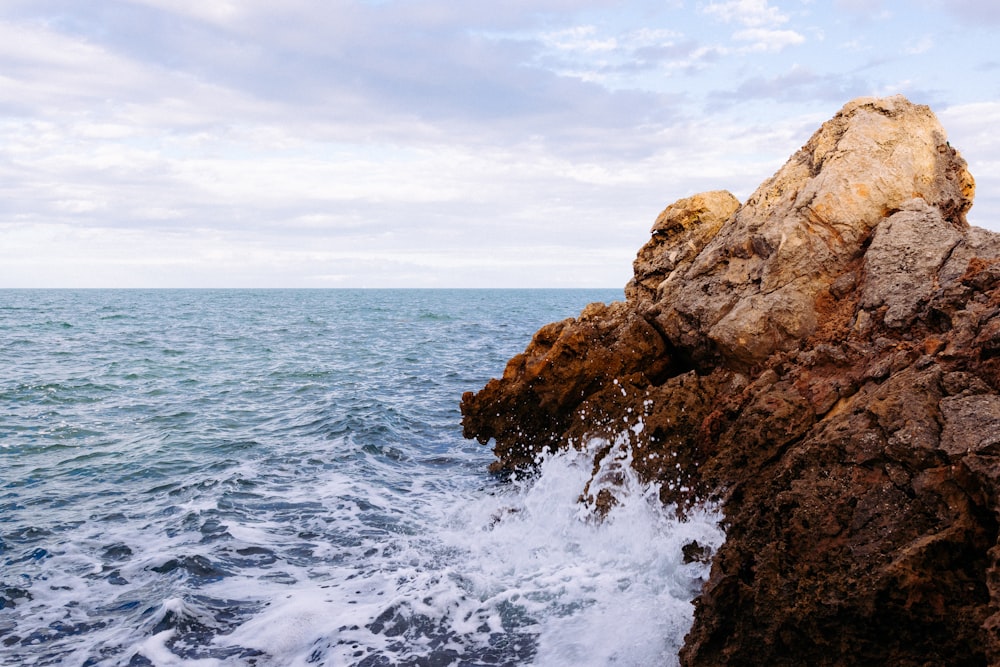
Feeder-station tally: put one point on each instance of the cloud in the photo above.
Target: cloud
(620, 61)
(920, 45)
(164, 142)
(40, 65)
(798, 83)
(751, 13)
(579, 38)
(975, 12)
(761, 39)
(759, 20)
(867, 10)
(417, 70)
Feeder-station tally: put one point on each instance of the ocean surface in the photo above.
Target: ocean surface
(278, 477)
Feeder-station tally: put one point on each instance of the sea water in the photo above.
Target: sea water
(278, 477)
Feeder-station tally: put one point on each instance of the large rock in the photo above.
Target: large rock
(753, 289)
(824, 361)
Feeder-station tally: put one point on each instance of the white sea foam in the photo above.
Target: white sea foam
(476, 573)
(397, 564)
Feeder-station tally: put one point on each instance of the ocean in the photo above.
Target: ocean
(278, 477)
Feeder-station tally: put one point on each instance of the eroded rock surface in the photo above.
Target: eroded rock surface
(824, 361)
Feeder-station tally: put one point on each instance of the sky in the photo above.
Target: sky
(433, 143)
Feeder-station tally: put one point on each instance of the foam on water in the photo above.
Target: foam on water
(173, 492)
(521, 574)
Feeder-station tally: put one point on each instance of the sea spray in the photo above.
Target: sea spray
(602, 591)
(521, 573)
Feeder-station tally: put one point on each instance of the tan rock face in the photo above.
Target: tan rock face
(752, 290)
(679, 234)
(902, 261)
(824, 361)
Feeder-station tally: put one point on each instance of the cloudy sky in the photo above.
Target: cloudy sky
(433, 143)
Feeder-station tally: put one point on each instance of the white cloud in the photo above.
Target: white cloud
(43, 67)
(217, 11)
(159, 142)
(895, 87)
(759, 21)
(615, 60)
(751, 13)
(579, 38)
(109, 215)
(976, 12)
(652, 37)
(918, 46)
(761, 39)
(871, 8)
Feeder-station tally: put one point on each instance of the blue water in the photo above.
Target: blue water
(278, 477)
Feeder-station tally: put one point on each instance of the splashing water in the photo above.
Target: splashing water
(520, 575)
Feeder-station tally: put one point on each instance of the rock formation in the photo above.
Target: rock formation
(823, 361)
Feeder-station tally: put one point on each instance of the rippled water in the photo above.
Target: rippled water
(279, 478)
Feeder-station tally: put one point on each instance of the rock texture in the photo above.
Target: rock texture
(824, 362)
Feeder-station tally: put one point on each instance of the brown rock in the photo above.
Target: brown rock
(824, 361)
(531, 406)
(971, 424)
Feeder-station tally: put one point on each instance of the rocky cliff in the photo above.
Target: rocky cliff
(823, 361)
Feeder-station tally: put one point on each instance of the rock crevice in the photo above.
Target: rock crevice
(823, 361)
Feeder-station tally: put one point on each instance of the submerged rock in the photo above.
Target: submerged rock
(824, 362)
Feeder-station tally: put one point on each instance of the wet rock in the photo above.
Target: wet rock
(696, 553)
(823, 361)
(532, 405)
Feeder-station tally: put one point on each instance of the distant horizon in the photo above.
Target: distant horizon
(316, 289)
(389, 144)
